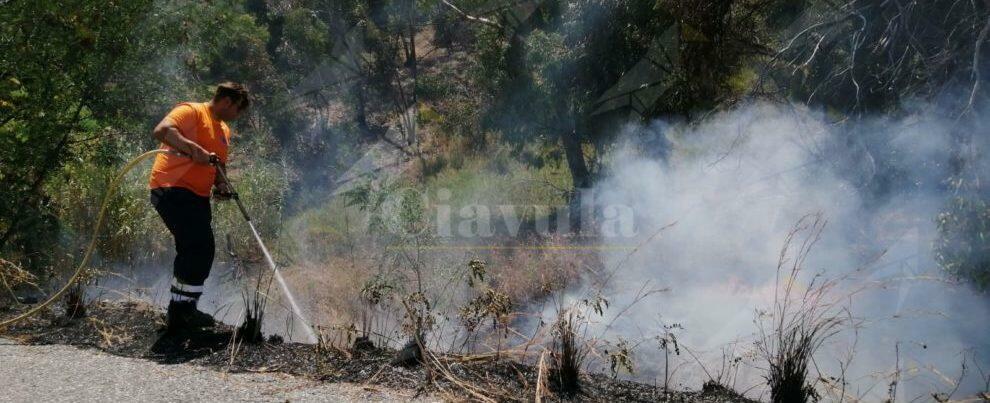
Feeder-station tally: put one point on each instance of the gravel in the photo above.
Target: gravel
(58, 373)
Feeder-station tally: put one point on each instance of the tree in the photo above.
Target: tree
(57, 63)
(563, 59)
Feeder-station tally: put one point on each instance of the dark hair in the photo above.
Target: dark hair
(235, 92)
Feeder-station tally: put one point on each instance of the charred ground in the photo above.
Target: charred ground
(132, 329)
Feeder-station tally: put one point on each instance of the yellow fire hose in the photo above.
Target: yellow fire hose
(111, 190)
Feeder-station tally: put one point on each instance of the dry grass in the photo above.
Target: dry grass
(13, 276)
(333, 291)
(110, 335)
(568, 356)
(358, 289)
(799, 322)
(255, 305)
(529, 271)
(542, 389)
(75, 302)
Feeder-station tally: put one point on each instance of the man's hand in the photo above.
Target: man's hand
(200, 155)
(222, 191)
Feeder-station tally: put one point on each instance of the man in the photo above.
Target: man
(181, 185)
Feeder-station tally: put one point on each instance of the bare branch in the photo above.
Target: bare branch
(976, 65)
(482, 20)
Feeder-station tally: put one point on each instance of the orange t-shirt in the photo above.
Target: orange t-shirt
(196, 123)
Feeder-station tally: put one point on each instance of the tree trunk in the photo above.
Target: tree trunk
(570, 139)
(361, 111)
(702, 26)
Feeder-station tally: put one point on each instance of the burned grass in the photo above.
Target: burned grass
(132, 329)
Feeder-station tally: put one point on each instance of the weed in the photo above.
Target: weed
(376, 290)
(13, 276)
(620, 358)
(477, 272)
(668, 343)
(800, 322)
(491, 304)
(75, 303)
(419, 317)
(567, 356)
(255, 305)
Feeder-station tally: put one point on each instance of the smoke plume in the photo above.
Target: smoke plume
(728, 194)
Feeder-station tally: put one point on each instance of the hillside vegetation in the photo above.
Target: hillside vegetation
(458, 172)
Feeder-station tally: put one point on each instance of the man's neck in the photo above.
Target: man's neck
(213, 111)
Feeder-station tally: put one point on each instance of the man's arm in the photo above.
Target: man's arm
(167, 133)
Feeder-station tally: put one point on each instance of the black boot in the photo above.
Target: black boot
(183, 315)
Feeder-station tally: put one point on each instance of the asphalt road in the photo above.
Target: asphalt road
(58, 373)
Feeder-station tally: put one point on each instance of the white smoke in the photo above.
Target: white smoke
(733, 186)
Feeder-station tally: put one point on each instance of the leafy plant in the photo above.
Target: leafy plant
(620, 358)
(667, 341)
(491, 304)
(377, 290)
(963, 246)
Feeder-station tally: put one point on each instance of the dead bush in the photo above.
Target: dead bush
(75, 302)
(567, 356)
(255, 305)
(799, 322)
(13, 276)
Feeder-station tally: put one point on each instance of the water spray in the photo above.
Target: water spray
(294, 307)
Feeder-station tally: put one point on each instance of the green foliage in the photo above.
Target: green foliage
(549, 59)
(307, 33)
(131, 230)
(263, 188)
(58, 60)
(323, 231)
(392, 210)
(488, 304)
(491, 71)
(478, 181)
(82, 83)
(371, 197)
(218, 39)
(963, 248)
(430, 87)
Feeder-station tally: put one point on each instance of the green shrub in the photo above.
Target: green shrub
(962, 248)
(262, 186)
(430, 87)
(130, 229)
